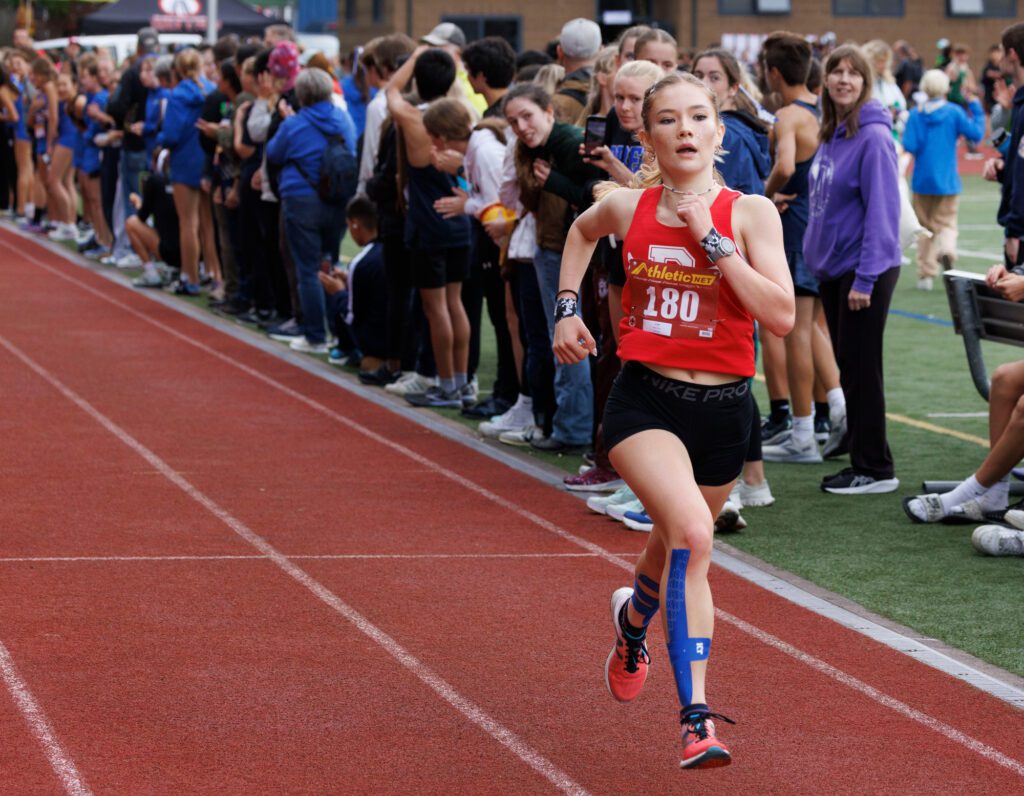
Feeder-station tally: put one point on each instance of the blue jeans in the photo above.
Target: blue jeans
(132, 166)
(314, 231)
(574, 392)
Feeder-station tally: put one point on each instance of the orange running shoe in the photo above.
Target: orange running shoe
(626, 668)
(701, 749)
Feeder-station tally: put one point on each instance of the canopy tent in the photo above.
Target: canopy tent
(174, 16)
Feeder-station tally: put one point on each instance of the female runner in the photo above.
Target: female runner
(702, 262)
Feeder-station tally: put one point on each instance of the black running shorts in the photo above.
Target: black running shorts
(713, 423)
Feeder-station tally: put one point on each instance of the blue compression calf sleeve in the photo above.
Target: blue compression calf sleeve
(682, 650)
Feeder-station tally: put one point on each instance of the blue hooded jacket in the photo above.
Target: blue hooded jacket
(855, 203)
(931, 137)
(151, 126)
(302, 138)
(746, 163)
(180, 135)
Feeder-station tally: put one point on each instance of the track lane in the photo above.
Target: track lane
(546, 500)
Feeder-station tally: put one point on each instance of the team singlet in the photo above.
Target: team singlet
(678, 310)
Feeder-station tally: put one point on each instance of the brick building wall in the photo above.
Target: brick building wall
(922, 24)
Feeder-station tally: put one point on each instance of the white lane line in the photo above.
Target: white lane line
(318, 557)
(442, 688)
(957, 414)
(441, 470)
(60, 761)
(902, 708)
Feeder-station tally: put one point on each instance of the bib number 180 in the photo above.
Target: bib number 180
(674, 303)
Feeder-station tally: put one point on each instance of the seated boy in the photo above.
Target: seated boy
(356, 299)
(159, 243)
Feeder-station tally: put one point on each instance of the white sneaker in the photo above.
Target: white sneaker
(63, 232)
(601, 503)
(521, 438)
(793, 452)
(836, 444)
(410, 383)
(995, 540)
(756, 495)
(518, 418)
(306, 347)
(617, 511)
(925, 283)
(129, 261)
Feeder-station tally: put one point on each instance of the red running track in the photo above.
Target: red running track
(222, 574)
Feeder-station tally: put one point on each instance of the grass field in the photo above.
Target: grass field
(927, 577)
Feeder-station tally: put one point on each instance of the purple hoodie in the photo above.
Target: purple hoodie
(855, 203)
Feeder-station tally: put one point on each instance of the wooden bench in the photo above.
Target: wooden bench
(980, 313)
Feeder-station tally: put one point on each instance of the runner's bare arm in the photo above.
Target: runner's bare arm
(785, 154)
(764, 286)
(610, 216)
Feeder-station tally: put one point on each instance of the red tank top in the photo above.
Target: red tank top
(678, 310)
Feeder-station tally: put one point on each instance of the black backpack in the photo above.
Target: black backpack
(339, 173)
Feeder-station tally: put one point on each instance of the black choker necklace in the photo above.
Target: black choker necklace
(668, 187)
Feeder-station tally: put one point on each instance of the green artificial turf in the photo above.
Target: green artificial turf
(928, 577)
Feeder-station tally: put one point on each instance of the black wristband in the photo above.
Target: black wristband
(564, 308)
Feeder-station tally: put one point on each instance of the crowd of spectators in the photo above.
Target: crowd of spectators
(233, 171)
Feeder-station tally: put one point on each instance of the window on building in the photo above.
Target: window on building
(378, 11)
(867, 8)
(981, 8)
(477, 27)
(754, 6)
(350, 11)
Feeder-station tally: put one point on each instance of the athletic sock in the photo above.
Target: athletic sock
(821, 411)
(998, 496)
(37, 217)
(966, 490)
(30, 210)
(448, 385)
(803, 431)
(461, 380)
(629, 630)
(836, 404)
(779, 410)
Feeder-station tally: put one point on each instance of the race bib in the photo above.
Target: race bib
(671, 295)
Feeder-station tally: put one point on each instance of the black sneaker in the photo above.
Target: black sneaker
(485, 410)
(379, 377)
(552, 445)
(436, 398)
(774, 432)
(850, 482)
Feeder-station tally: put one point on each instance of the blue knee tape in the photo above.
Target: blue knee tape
(682, 650)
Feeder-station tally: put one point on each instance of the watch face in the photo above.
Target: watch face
(726, 247)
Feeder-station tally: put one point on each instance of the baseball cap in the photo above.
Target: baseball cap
(149, 40)
(580, 38)
(445, 33)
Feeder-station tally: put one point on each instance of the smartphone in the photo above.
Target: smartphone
(594, 133)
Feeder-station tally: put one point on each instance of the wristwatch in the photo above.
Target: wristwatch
(717, 246)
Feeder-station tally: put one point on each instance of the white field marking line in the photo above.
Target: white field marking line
(61, 763)
(873, 693)
(957, 414)
(321, 557)
(442, 688)
(524, 513)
